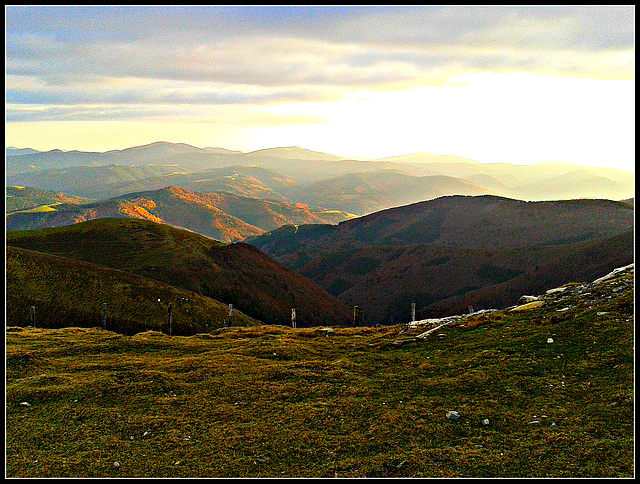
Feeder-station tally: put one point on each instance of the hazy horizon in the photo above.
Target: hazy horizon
(519, 85)
(548, 162)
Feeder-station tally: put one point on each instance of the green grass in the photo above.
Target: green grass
(66, 293)
(272, 401)
(41, 208)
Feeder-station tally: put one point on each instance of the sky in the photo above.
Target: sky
(519, 85)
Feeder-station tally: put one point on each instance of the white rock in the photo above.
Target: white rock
(613, 273)
(453, 415)
(25, 404)
(549, 340)
(527, 299)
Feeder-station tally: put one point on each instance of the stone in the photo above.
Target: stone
(453, 415)
(549, 340)
(25, 404)
(528, 306)
(485, 421)
(400, 342)
(527, 299)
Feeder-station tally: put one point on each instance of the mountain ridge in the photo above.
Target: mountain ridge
(448, 248)
(527, 182)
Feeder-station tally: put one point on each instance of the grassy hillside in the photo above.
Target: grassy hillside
(385, 280)
(277, 402)
(68, 292)
(29, 198)
(237, 274)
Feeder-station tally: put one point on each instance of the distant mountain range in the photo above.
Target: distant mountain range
(445, 253)
(297, 175)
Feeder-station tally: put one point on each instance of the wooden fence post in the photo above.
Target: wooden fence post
(169, 318)
(413, 311)
(293, 317)
(356, 316)
(32, 316)
(104, 316)
(230, 316)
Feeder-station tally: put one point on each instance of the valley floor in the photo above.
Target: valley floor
(543, 392)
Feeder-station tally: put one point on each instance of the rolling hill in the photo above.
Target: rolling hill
(368, 192)
(246, 181)
(29, 198)
(223, 216)
(237, 274)
(451, 247)
(71, 293)
(84, 181)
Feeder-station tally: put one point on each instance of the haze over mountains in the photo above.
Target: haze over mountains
(297, 175)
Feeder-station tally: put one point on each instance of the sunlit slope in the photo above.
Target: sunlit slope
(237, 274)
(222, 216)
(20, 198)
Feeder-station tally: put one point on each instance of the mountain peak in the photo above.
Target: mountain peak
(295, 153)
(421, 157)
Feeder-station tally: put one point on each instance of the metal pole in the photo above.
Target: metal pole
(104, 316)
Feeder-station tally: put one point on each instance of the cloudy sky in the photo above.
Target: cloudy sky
(495, 84)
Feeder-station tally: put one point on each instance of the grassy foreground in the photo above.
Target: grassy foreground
(272, 401)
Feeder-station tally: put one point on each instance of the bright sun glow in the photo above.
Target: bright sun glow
(479, 116)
